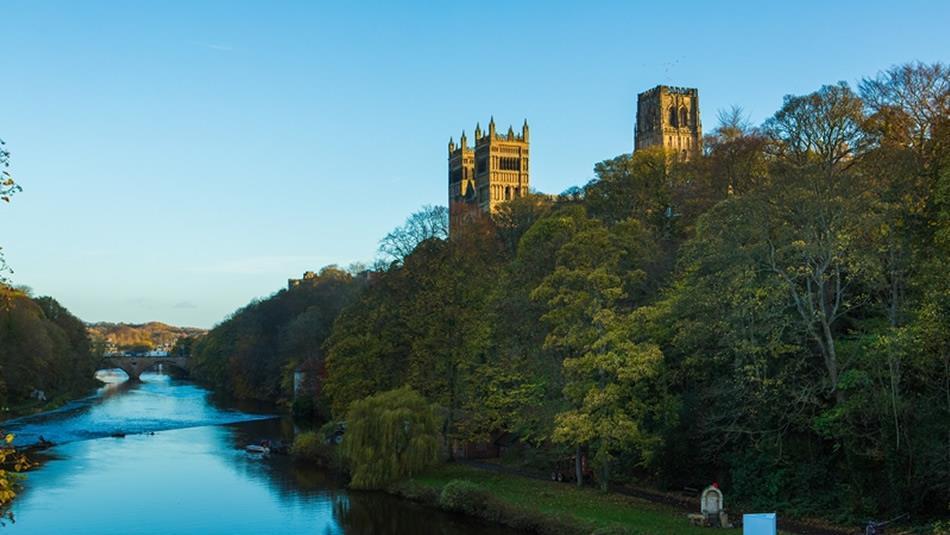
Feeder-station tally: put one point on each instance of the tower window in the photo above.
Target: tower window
(672, 116)
(684, 117)
(510, 164)
(481, 165)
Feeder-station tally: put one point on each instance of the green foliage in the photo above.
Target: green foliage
(310, 446)
(389, 436)
(11, 464)
(772, 314)
(463, 496)
(254, 353)
(42, 347)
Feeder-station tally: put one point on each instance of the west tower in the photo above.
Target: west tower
(495, 170)
(668, 117)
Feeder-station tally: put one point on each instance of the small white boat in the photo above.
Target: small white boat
(254, 448)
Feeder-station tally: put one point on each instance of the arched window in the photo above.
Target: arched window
(672, 116)
(684, 117)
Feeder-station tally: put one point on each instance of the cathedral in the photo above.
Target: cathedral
(495, 168)
(491, 172)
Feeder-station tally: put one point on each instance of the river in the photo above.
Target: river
(181, 469)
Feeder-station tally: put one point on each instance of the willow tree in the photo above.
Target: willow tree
(389, 436)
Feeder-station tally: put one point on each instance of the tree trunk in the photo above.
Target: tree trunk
(831, 359)
(578, 469)
(894, 364)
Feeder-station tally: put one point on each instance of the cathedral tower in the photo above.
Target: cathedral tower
(495, 170)
(668, 117)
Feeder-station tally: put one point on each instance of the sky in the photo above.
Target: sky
(181, 158)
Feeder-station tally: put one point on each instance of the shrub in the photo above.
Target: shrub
(309, 446)
(464, 496)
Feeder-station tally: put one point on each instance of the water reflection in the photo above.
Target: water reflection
(192, 475)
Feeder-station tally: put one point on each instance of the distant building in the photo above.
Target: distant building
(495, 170)
(668, 117)
(309, 277)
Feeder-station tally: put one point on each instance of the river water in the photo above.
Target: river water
(181, 469)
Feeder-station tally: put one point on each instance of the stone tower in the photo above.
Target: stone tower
(669, 117)
(495, 170)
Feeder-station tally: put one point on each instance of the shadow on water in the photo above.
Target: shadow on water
(371, 513)
(354, 511)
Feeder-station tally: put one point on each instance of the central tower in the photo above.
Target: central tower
(668, 117)
(495, 170)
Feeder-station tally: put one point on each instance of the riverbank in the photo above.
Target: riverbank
(532, 503)
(35, 406)
(540, 506)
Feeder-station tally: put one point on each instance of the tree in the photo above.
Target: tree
(593, 278)
(42, 347)
(815, 213)
(513, 218)
(431, 222)
(389, 436)
(819, 133)
(446, 314)
(8, 187)
(610, 400)
(253, 353)
(736, 158)
(632, 186)
(909, 106)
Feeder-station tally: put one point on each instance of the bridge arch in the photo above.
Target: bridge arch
(135, 366)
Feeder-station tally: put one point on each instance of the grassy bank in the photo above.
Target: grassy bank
(541, 506)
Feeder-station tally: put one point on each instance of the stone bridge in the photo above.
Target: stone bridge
(134, 366)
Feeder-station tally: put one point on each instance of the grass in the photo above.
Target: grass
(611, 512)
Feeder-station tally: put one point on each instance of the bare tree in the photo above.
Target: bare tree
(733, 123)
(815, 213)
(736, 154)
(431, 222)
(909, 105)
(821, 131)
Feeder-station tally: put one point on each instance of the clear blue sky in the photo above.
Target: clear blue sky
(181, 158)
